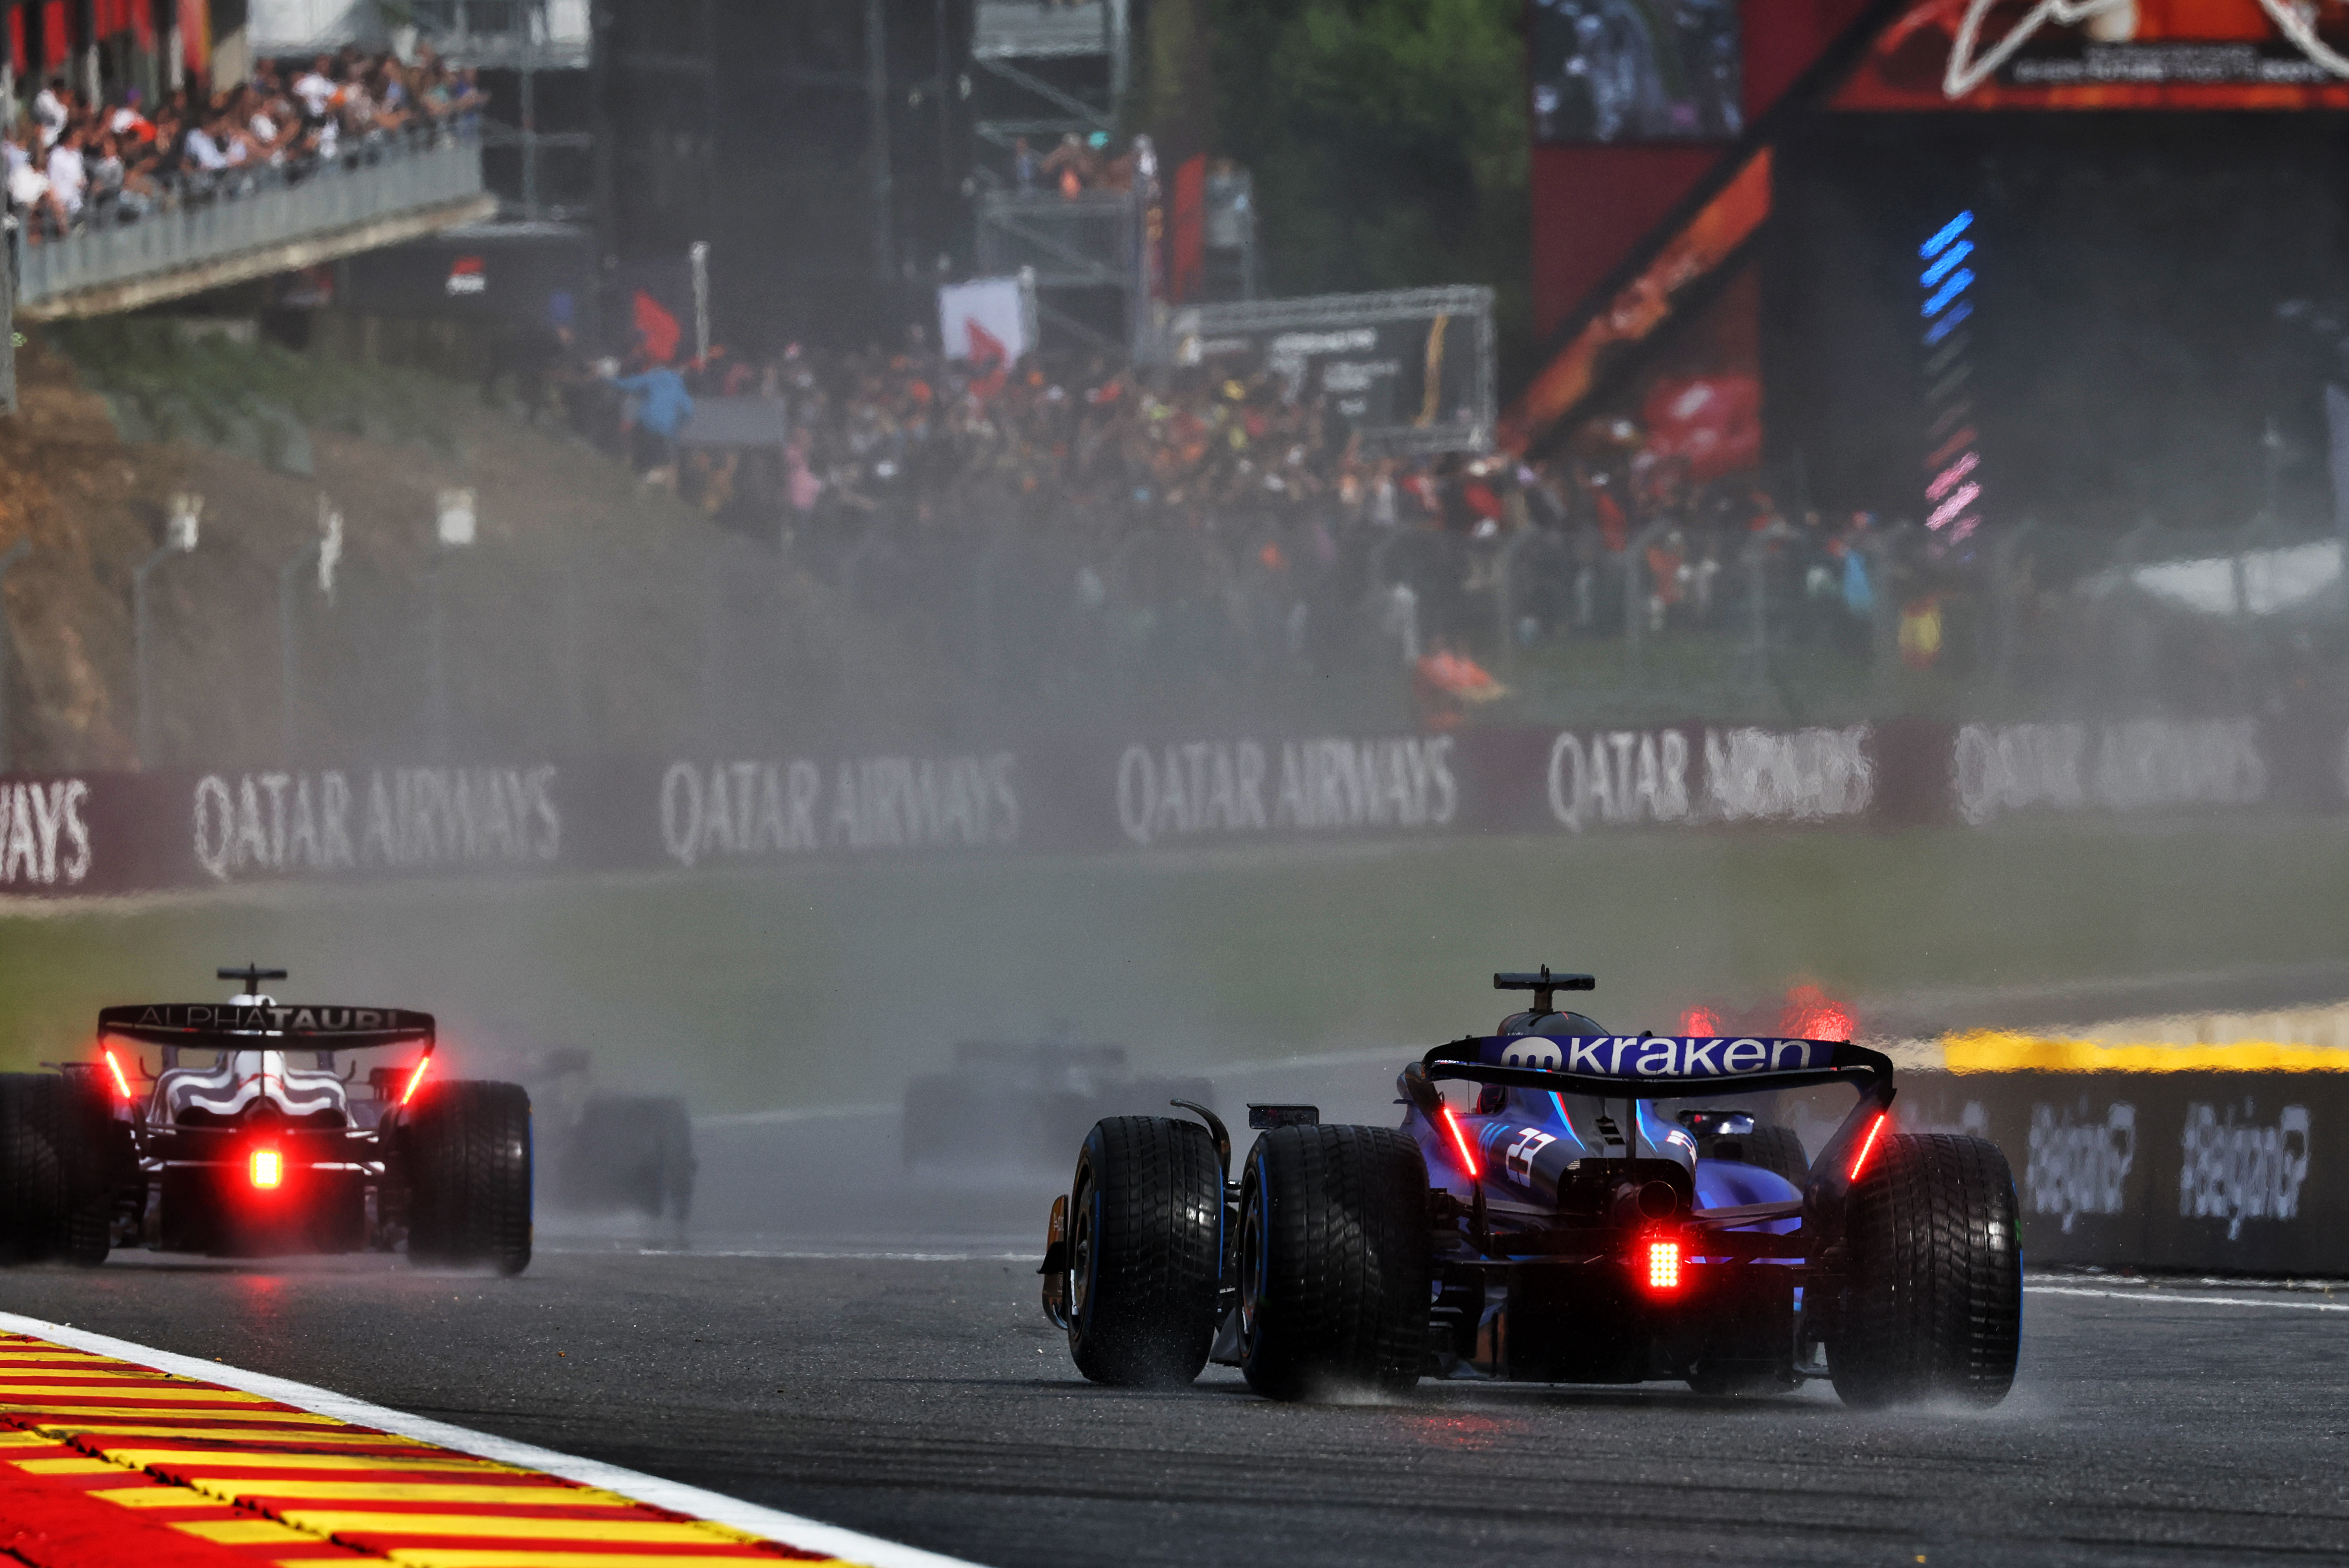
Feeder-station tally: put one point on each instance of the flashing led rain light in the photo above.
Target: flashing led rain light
(1867, 1144)
(268, 1167)
(1460, 1142)
(1699, 1021)
(415, 1078)
(1950, 231)
(121, 1084)
(1663, 1265)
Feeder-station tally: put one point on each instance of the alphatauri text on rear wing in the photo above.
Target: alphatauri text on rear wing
(307, 1026)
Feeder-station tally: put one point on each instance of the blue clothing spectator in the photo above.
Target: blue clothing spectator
(662, 402)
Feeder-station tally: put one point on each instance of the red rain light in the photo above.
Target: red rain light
(415, 1078)
(1867, 1144)
(268, 1167)
(1700, 1022)
(1460, 1142)
(1663, 1265)
(121, 1084)
(1815, 1015)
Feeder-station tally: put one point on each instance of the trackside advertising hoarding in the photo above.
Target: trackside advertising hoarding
(2230, 1172)
(105, 833)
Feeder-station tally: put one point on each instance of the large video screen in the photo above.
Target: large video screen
(2081, 321)
(1635, 71)
(2122, 54)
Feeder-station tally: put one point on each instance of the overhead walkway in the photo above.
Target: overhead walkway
(255, 224)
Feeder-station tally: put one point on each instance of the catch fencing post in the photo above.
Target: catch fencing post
(2006, 615)
(327, 550)
(1757, 588)
(1505, 592)
(9, 557)
(699, 255)
(1635, 599)
(179, 538)
(453, 530)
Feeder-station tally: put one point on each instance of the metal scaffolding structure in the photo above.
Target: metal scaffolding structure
(1054, 70)
(522, 37)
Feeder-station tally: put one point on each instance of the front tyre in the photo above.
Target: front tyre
(1145, 1251)
(1933, 1309)
(1334, 1262)
(467, 1150)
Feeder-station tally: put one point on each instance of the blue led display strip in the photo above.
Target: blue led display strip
(1952, 462)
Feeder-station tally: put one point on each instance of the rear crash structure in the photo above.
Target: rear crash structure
(250, 1136)
(1587, 1212)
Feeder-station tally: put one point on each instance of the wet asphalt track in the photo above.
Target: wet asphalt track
(925, 1399)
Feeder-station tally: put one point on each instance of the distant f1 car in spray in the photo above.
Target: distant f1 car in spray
(1590, 1213)
(1010, 1102)
(252, 1135)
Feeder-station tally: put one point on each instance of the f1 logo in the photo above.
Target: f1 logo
(1518, 1158)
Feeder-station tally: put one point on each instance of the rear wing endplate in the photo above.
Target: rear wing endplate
(309, 1027)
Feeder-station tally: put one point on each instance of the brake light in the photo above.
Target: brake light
(268, 1167)
(1663, 1265)
(415, 1078)
(1867, 1144)
(121, 1084)
(1460, 1142)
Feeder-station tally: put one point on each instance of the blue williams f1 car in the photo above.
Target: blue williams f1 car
(250, 1138)
(1587, 1212)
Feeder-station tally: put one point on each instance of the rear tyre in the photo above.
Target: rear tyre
(53, 1174)
(467, 1148)
(1933, 1309)
(1334, 1262)
(1773, 1148)
(1145, 1251)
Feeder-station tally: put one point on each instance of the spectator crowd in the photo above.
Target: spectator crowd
(72, 162)
(1109, 468)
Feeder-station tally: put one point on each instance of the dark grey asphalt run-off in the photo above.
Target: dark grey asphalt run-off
(925, 1400)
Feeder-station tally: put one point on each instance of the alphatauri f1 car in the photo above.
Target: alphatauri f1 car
(249, 1138)
(1591, 1214)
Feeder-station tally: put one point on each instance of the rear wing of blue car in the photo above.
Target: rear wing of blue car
(231, 1026)
(1674, 1067)
(1655, 1066)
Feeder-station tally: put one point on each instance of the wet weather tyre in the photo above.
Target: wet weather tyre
(467, 1152)
(1773, 1148)
(1334, 1262)
(1145, 1249)
(1933, 1308)
(52, 1188)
